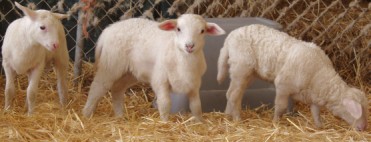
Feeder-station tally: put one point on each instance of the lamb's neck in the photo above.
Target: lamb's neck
(329, 90)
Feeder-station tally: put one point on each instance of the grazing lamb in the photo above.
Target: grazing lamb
(298, 69)
(168, 55)
(29, 44)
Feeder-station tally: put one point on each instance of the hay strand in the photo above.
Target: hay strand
(142, 123)
(316, 21)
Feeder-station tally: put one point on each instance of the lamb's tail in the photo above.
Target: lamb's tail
(223, 64)
(98, 51)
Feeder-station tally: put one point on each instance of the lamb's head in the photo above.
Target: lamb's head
(190, 31)
(44, 26)
(353, 108)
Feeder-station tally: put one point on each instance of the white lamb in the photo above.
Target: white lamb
(298, 69)
(30, 43)
(168, 55)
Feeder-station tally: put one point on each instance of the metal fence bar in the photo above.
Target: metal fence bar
(77, 67)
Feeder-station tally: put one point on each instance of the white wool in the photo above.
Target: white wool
(298, 69)
(30, 43)
(141, 50)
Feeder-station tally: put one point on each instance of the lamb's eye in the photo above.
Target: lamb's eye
(202, 31)
(42, 27)
(178, 29)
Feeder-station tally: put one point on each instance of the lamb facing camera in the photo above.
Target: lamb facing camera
(168, 55)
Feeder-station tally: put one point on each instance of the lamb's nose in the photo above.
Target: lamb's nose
(55, 45)
(361, 128)
(190, 45)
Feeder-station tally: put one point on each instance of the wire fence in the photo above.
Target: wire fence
(340, 27)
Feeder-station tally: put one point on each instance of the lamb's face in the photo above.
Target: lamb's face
(190, 31)
(44, 26)
(46, 31)
(354, 111)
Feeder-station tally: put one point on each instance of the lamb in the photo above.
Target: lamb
(168, 55)
(299, 69)
(29, 44)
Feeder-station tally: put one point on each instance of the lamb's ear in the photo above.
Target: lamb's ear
(28, 12)
(214, 29)
(60, 16)
(354, 108)
(168, 25)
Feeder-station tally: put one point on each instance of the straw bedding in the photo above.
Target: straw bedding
(141, 122)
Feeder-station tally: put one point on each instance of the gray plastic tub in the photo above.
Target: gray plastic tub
(211, 93)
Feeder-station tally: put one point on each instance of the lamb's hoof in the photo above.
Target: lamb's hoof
(119, 115)
(318, 125)
(87, 114)
(164, 118)
(7, 108)
(29, 113)
(236, 118)
(276, 119)
(199, 120)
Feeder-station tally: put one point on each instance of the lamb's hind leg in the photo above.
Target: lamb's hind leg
(102, 82)
(118, 92)
(240, 79)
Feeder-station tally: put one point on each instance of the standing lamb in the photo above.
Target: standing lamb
(29, 44)
(298, 69)
(168, 55)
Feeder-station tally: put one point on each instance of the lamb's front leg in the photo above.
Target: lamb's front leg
(33, 79)
(241, 75)
(162, 92)
(281, 102)
(315, 109)
(195, 104)
(118, 92)
(9, 86)
(61, 69)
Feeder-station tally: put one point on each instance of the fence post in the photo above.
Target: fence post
(79, 48)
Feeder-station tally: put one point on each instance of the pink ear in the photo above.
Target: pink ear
(214, 29)
(354, 108)
(28, 12)
(168, 25)
(60, 16)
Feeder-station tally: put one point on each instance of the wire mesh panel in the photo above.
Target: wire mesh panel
(341, 28)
